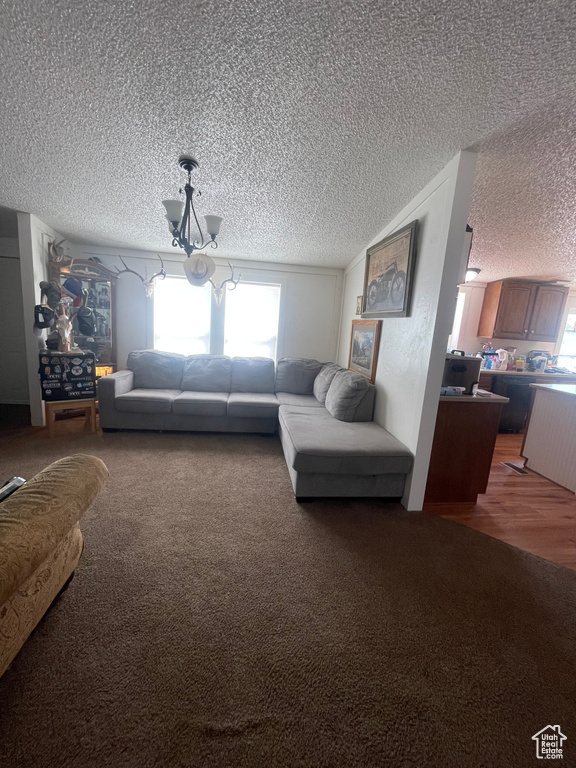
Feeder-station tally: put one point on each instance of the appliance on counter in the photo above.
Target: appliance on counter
(462, 372)
(537, 360)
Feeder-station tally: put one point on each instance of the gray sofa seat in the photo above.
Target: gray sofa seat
(147, 400)
(192, 403)
(288, 398)
(258, 405)
(317, 442)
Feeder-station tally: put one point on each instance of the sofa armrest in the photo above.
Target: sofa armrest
(36, 518)
(109, 387)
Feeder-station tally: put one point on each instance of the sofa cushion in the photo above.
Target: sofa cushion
(316, 442)
(156, 370)
(201, 403)
(296, 375)
(345, 393)
(252, 374)
(207, 373)
(147, 400)
(323, 380)
(254, 405)
(287, 398)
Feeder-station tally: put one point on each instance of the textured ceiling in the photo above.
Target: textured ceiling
(524, 204)
(313, 122)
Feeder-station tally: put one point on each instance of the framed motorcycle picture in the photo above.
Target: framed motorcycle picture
(389, 274)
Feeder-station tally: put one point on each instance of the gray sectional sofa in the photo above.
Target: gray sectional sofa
(323, 414)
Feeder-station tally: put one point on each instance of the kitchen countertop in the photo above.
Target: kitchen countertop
(535, 374)
(481, 397)
(561, 389)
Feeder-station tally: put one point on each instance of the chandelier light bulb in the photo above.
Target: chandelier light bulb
(174, 210)
(213, 224)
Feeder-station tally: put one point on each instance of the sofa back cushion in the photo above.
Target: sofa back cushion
(252, 374)
(323, 380)
(207, 373)
(156, 370)
(296, 375)
(345, 394)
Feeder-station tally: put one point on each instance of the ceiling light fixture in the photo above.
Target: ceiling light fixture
(183, 224)
(471, 274)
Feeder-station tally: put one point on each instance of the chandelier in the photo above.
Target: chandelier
(187, 233)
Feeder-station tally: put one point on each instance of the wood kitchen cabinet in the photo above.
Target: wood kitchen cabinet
(523, 310)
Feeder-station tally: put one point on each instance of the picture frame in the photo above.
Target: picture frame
(364, 347)
(389, 274)
(359, 304)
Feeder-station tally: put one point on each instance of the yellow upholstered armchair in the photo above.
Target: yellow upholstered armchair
(41, 543)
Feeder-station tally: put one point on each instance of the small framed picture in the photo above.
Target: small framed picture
(364, 346)
(389, 274)
(359, 304)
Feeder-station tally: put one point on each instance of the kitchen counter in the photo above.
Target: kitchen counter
(562, 389)
(536, 374)
(464, 438)
(550, 442)
(482, 397)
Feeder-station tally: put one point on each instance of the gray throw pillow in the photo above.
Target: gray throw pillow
(345, 394)
(323, 380)
(296, 375)
(252, 374)
(207, 373)
(156, 370)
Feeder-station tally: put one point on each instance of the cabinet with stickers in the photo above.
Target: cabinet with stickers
(67, 375)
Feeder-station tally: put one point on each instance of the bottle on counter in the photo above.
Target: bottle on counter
(520, 363)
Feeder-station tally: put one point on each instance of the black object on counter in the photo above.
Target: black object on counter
(67, 375)
(517, 389)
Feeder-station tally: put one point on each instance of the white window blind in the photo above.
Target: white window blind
(182, 317)
(251, 320)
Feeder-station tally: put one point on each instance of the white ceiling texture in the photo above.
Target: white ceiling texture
(314, 122)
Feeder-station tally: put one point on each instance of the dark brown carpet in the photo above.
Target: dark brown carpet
(215, 623)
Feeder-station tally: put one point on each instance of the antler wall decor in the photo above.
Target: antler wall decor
(148, 283)
(219, 289)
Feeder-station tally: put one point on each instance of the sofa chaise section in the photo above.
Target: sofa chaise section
(328, 457)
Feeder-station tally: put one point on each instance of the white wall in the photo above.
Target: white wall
(468, 339)
(34, 238)
(412, 349)
(14, 368)
(309, 308)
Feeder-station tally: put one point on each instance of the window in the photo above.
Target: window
(182, 316)
(251, 320)
(453, 339)
(567, 354)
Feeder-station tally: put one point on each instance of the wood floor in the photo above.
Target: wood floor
(527, 511)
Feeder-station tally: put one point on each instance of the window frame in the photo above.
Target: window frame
(218, 313)
(280, 324)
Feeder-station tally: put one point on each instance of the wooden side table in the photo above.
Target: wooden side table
(88, 406)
